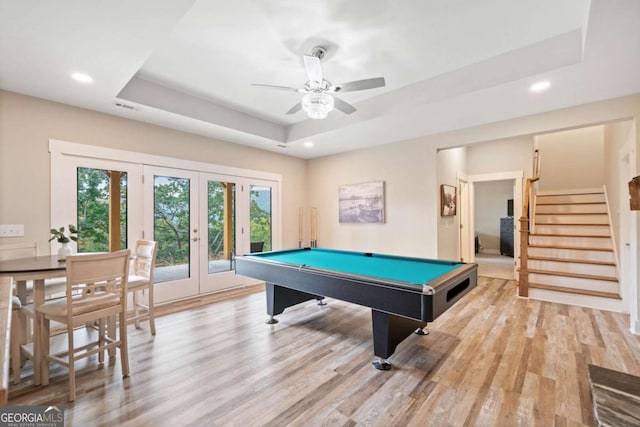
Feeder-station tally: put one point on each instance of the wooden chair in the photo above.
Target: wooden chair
(96, 291)
(140, 280)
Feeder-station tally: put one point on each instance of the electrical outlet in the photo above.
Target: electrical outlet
(16, 230)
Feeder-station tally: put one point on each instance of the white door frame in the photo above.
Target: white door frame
(466, 246)
(628, 244)
(517, 176)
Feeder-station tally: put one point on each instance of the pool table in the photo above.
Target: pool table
(403, 293)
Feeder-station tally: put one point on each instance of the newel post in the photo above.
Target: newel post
(523, 279)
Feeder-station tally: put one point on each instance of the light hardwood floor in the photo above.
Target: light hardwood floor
(492, 359)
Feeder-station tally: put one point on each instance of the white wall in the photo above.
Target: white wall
(615, 136)
(505, 155)
(27, 124)
(450, 163)
(491, 205)
(580, 151)
(407, 168)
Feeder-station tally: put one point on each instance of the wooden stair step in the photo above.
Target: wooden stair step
(571, 248)
(568, 203)
(569, 235)
(571, 224)
(560, 193)
(575, 291)
(575, 261)
(570, 213)
(576, 275)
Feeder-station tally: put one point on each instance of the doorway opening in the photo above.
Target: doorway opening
(491, 239)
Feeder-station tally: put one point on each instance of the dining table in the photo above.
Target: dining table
(36, 269)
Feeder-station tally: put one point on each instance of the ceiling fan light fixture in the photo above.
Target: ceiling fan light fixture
(317, 104)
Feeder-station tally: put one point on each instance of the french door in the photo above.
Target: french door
(201, 214)
(201, 221)
(171, 218)
(220, 223)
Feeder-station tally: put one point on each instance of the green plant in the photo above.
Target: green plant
(61, 237)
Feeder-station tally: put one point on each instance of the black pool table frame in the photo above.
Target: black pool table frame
(397, 309)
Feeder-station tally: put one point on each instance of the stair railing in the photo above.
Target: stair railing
(528, 211)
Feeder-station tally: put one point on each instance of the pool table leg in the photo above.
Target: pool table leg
(271, 320)
(279, 298)
(388, 331)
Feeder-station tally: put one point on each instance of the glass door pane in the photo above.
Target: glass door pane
(260, 219)
(220, 225)
(101, 209)
(173, 214)
(219, 246)
(171, 227)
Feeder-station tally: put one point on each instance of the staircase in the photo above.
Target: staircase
(571, 257)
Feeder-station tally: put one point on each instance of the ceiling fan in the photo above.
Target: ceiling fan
(319, 96)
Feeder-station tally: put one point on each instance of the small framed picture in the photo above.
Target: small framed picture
(447, 200)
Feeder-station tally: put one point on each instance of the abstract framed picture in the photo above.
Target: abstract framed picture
(361, 202)
(447, 200)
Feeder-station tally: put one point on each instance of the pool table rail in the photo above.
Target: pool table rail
(424, 288)
(450, 287)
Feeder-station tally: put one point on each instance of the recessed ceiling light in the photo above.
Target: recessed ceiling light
(540, 86)
(82, 78)
(308, 144)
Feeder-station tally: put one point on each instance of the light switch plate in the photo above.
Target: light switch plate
(15, 230)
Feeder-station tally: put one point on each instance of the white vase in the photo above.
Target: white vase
(63, 251)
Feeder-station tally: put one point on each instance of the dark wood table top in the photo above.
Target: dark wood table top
(31, 264)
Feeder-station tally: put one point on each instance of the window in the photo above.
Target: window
(101, 210)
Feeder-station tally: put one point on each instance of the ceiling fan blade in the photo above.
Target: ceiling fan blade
(295, 108)
(358, 85)
(314, 70)
(343, 106)
(287, 88)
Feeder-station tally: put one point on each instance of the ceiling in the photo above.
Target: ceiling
(189, 64)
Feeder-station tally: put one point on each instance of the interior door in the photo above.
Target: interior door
(171, 218)
(219, 227)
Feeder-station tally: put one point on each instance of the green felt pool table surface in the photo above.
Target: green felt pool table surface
(401, 269)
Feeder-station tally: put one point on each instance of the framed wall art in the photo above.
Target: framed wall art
(447, 200)
(361, 202)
